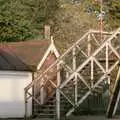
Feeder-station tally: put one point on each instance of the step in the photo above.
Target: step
(45, 115)
(46, 110)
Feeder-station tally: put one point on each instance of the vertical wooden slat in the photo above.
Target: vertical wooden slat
(25, 97)
(75, 79)
(92, 72)
(58, 93)
(89, 45)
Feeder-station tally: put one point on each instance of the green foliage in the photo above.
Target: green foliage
(70, 23)
(72, 20)
(113, 7)
(51, 7)
(24, 19)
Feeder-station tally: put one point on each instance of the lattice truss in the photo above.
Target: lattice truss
(82, 69)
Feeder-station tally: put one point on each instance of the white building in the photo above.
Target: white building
(18, 62)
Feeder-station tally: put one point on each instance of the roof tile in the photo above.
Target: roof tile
(28, 53)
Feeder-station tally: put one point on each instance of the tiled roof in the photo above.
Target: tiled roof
(22, 55)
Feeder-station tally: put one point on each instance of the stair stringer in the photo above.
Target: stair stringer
(112, 107)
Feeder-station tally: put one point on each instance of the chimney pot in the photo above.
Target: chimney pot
(47, 32)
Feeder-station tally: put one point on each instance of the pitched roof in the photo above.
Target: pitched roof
(22, 55)
(9, 61)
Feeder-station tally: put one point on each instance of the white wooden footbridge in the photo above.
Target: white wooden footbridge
(82, 71)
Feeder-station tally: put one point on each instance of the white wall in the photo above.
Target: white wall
(12, 86)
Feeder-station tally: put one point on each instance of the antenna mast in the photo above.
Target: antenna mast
(101, 19)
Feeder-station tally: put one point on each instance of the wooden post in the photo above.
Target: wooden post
(107, 66)
(89, 45)
(41, 90)
(92, 72)
(58, 93)
(25, 99)
(92, 64)
(67, 75)
(74, 68)
(107, 59)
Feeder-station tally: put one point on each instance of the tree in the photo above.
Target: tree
(70, 23)
(113, 7)
(24, 19)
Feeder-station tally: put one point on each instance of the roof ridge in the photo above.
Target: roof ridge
(25, 42)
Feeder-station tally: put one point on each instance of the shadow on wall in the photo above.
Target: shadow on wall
(14, 109)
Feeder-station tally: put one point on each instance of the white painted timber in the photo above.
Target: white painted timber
(12, 86)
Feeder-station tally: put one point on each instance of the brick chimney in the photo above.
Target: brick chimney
(47, 32)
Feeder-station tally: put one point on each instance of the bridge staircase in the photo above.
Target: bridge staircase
(82, 71)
